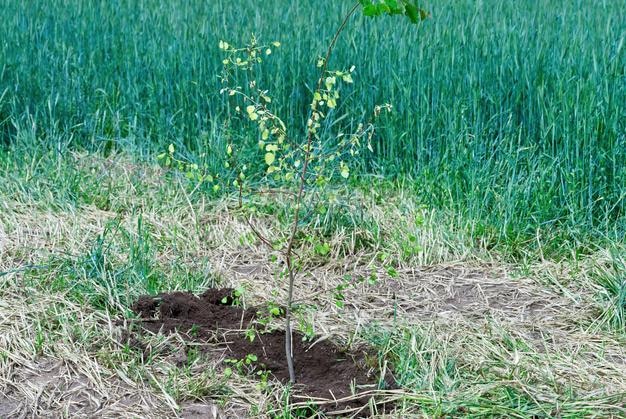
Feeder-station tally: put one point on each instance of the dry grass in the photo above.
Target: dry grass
(461, 325)
(49, 368)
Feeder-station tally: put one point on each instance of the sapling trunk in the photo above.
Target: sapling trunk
(296, 218)
(288, 334)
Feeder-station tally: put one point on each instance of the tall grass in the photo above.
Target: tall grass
(512, 113)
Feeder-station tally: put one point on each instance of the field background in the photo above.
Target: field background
(504, 163)
(512, 113)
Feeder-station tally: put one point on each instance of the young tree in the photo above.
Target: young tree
(292, 166)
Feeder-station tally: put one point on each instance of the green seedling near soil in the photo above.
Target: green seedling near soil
(194, 331)
(236, 297)
(250, 334)
(307, 327)
(247, 366)
(299, 168)
(263, 317)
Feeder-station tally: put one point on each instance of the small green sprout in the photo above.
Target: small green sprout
(250, 334)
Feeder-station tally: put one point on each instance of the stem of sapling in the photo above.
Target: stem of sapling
(294, 230)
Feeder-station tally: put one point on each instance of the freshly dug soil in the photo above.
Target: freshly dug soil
(323, 370)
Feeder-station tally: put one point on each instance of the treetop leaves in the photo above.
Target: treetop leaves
(408, 8)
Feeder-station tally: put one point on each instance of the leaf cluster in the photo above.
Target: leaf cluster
(282, 157)
(410, 9)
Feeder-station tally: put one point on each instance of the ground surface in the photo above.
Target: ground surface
(465, 332)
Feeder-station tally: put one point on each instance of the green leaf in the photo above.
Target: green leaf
(275, 311)
(412, 12)
(269, 158)
(384, 8)
(370, 10)
(330, 82)
(322, 249)
(408, 8)
(391, 271)
(345, 172)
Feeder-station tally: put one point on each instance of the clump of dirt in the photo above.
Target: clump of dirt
(323, 370)
(198, 316)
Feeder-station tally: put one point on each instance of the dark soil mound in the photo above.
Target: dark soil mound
(182, 311)
(323, 370)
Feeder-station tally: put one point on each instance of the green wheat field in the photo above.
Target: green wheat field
(492, 210)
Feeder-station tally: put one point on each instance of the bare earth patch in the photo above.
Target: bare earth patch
(336, 379)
